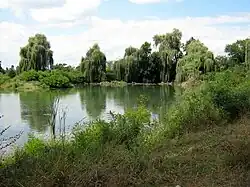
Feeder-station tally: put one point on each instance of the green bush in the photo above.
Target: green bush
(230, 92)
(121, 130)
(3, 78)
(55, 79)
(31, 75)
(11, 73)
(75, 77)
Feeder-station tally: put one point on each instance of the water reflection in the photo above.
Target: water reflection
(93, 99)
(31, 111)
(36, 109)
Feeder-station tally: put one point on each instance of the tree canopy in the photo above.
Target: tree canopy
(36, 55)
(166, 60)
(93, 66)
(237, 50)
(198, 59)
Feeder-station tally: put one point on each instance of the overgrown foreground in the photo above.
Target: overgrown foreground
(205, 141)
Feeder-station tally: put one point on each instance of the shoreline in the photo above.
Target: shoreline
(34, 85)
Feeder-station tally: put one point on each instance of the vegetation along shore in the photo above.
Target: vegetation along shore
(204, 139)
(167, 61)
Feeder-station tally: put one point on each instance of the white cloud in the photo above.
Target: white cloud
(51, 11)
(30, 3)
(12, 37)
(71, 10)
(115, 35)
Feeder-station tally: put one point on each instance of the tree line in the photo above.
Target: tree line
(167, 60)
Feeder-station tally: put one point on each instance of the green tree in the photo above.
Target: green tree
(63, 67)
(222, 63)
(237, 51)
(154, 67)
(36, 55)
(144, 54)
(197, 60)
(247, 54)
(187, 43)
(11, 72)
(93, 66)
(170, 52)
(1, 69)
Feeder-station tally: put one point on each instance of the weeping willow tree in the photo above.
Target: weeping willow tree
(119, 69)
(126, 69)
(198, 60)
(93, 66)
(247, 54)
(170, 52)
(36, 55)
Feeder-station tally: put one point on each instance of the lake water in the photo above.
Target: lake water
(30, 112)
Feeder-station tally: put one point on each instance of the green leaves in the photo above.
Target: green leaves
(36, 55)
(237, 51)
(93, 66)
(196, 61)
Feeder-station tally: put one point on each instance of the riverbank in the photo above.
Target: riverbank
(19, 85)
(204, 141)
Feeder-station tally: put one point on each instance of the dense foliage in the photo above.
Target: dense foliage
(168, 60)
(93, 66)
(36, 55)
(202, 142)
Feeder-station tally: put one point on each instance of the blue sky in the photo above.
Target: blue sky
(72, 26)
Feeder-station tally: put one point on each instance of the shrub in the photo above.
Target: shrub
(121, 130)
(11, 73)
(230, 92)
(55, 80)
(3, 78)
(75, 77)
(31, 75)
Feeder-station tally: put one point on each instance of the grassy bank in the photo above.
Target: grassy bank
(204, 141)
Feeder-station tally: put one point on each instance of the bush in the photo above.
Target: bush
(75, 77)
(223, 98)
(3, 78)
(121, 130)
(31, 75)
(11, 73)
(55, 80)
(230, 92)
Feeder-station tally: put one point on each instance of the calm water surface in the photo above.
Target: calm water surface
(31, 111)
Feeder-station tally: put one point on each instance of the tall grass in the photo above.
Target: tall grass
(204, 141)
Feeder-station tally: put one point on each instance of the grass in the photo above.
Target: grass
(204, 141)
(19, 85)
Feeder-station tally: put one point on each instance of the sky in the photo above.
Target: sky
(73, 26)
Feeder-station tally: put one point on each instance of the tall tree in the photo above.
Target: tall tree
(170, 52)
(247, 54)
(143, 59)
(237, 51)
(197, 60)
(187, 43)
(94, 64)
(36, 55)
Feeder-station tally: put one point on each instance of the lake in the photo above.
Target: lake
(30, 112)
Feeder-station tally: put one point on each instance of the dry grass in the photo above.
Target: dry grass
(219, 156)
